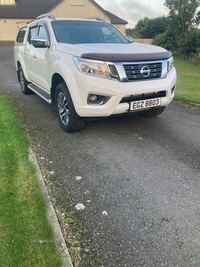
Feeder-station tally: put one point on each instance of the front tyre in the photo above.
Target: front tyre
(153, 112)
(23, 82)
(67, 116)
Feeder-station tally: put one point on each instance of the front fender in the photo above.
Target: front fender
(20, 61)
(66, 71)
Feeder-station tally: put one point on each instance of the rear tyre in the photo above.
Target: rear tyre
(153, 112)
(67, 116)
(23, 82)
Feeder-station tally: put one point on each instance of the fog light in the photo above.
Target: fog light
(93, 98)
(97, 99)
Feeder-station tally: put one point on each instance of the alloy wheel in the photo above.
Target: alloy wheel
(22, 82)
(63, 108)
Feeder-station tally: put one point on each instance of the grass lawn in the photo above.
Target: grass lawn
(26, 237)
(188, 83)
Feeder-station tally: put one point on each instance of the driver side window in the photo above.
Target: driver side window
(43, 32)
(32, 33)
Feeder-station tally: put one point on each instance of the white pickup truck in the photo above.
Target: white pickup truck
(89, 69)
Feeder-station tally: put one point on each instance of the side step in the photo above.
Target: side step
(40, 92)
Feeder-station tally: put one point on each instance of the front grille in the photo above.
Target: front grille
(143, 96)
(150, 71)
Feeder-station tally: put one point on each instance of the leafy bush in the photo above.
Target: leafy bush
(157, 26)
(132, 33)
(166, 41)
(190, 43)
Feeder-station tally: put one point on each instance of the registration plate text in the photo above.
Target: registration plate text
(144, 104)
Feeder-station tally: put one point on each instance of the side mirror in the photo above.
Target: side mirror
(130, 39)
(40, 42)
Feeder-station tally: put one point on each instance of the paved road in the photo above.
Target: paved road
(138, 179)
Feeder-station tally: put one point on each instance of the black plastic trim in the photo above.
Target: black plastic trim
(143, 97)
(127, 57)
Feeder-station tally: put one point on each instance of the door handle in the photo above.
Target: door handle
(35, 56)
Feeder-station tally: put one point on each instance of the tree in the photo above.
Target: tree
(178, 31)
(145, 33)
(149, 28)
(142, 27)
(190, 44)
(184, 16)
(146, 22)
(157, 26)
(139, 25)
(132, 33)
(165, 40)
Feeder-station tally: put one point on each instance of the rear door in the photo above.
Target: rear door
(20, 45)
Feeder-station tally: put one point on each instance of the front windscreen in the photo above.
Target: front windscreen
(81, 32)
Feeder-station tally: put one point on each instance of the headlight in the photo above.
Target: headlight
(170, 64)
(92, 67)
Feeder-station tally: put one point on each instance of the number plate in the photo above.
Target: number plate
(144, 104)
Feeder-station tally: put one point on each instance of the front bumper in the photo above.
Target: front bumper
(86, 84)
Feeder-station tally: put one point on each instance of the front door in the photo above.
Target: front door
(37, 58)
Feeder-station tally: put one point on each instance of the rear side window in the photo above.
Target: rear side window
(21, 35)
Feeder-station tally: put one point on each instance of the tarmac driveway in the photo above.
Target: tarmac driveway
(137, 180)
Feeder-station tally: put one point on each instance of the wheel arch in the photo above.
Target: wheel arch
(55, 80)
(66, 113)
(21, 63)
(18, 65)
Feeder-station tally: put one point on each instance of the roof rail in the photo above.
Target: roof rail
(97, 18)
(49, 15)
(30, 21)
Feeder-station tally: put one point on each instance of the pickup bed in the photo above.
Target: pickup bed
(88, 69)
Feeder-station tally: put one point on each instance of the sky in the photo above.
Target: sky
(134, 10)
